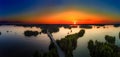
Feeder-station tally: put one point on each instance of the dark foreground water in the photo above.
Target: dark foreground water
(14, 43)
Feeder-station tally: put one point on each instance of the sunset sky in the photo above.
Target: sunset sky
(60, 11)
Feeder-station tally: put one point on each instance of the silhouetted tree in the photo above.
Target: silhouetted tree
(37, 54)
(50, 28)
(117, 25)
(110, 39)
(86, 26)
(119, 34)
(0, 33)
(31, 33)
(101, 49)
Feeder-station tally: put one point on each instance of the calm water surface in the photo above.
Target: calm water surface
(13, 42)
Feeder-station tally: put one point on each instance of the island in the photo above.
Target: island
(104, 49)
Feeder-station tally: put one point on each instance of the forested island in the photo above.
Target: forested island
(104, 49)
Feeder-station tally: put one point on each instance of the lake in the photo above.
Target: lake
(14, 42)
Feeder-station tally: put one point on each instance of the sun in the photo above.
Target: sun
(75, 22)
(73, 17)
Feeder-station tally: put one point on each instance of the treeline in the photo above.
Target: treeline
(104, 49)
